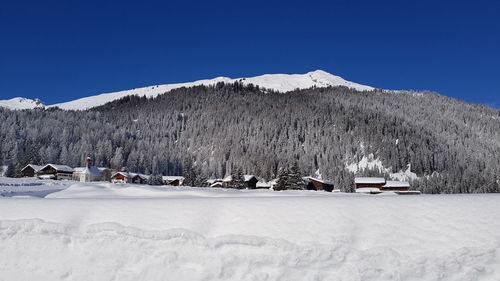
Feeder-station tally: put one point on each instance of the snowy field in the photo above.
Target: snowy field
(53, 230)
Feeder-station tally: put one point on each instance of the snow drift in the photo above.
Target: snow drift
(104, 232)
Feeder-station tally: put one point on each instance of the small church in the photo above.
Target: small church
(91, 173)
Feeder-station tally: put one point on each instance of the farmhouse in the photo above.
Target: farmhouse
(173, 180)
(125, 177)
(318, 184)
(30, 170)
(121, 177)
(54, 171)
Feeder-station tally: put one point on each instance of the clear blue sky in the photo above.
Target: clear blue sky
(63, 50)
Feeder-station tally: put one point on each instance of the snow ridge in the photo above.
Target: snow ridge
(277, 82)
(21, 103)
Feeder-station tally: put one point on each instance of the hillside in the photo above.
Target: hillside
(450, 146)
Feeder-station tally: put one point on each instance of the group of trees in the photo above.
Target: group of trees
(451, 145)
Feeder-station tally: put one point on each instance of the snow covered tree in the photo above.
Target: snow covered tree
(294, 178)
(155, 180)
(238, 180)
(283, 180)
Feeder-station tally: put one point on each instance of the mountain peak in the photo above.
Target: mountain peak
(277, 82)
(21, 103)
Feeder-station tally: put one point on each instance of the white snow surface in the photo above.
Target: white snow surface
(277, 82)
(21, 103)
(101, 231)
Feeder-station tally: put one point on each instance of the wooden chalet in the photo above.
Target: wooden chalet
(318, 184)
(173, 180)
(54, 171)
(396, 186)
(30, 170)
(121, 177)
(140, 178)
(369, 182)
(125, 177)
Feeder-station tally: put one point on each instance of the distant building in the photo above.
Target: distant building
(173, 180)
(125, 177)
(140, 178)
(369, 184)
(379, 185)
(217, 184)
(55, 171)
(396, 186)
(250, 181)
(30, 170)
(318, 184)
(121, 177)
(91, 173)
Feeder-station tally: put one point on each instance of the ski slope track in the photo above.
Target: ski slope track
(101, 231)
(277, 82)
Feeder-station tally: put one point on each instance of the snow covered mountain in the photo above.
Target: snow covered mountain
(21, 103)
(277, 82)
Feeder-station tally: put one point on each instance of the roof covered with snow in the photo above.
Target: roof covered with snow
(367, 190)
(248, 177)
(397, 184)
(329, 182)
(35, 167)
(91, 170)
(369, 180)
(172, 178)
(60, 168)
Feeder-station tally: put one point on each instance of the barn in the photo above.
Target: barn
(367, 182)
(55, 171)
(251, 181)
(30, 170)
(396, 186)
(318, 184)
(173, 180)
